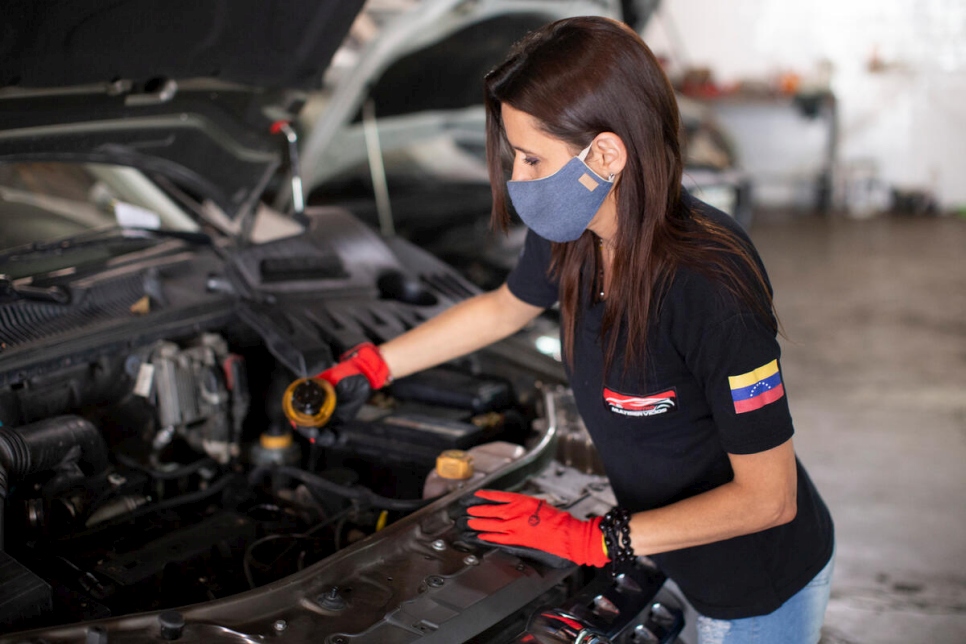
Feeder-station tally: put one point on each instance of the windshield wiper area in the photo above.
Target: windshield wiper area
(49, 256)
(100, 236)
(10, 291)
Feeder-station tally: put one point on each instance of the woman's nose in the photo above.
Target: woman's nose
(518, 173)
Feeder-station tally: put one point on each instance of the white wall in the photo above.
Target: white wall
(909, 117)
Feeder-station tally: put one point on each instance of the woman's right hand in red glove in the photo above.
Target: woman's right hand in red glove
(360, 371)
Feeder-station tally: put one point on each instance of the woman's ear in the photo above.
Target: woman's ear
(608, 154)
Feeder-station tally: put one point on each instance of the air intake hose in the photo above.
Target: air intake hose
(47, 445)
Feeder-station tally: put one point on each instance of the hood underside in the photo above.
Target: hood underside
(180, 88)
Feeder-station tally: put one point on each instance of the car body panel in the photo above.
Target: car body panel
(187, 89)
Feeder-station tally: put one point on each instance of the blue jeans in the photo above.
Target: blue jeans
(797, 621)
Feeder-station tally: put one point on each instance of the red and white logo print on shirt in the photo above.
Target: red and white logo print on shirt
(647, 405)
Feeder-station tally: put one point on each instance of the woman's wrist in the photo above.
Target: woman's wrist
(615, 527)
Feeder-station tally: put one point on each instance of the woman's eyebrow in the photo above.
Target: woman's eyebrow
(524, 150)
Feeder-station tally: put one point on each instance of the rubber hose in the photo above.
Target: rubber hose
(165, 475)
(215, 487)
(347, 491)
(47, 445)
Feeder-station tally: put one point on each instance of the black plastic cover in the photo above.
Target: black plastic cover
(412, 436)
(23, 594)
(452, 388)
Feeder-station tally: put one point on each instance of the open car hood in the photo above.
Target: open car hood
(187, 90)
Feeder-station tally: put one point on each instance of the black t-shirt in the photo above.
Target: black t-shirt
(712, 386)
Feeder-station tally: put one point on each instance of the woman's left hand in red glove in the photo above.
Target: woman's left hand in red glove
(511, 519)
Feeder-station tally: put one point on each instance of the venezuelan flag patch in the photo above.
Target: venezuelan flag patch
(755, 389)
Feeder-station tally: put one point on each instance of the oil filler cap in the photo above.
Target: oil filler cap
(454, 464)
(309, 402)
(308, 397)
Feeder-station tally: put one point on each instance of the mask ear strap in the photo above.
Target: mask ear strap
(583, 156)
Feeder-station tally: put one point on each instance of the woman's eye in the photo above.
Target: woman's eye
(529, 160)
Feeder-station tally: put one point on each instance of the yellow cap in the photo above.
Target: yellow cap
(454, 464)
(276, 441)
(302, 419)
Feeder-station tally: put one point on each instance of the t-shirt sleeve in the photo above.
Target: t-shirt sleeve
(737, 360)
(530, 280)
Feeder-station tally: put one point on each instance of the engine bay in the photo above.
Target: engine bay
(153, 484)
(146, 461)
(170, 475)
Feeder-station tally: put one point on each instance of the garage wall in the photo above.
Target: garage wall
(898, 71)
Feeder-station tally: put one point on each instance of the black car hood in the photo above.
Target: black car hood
(187, 89)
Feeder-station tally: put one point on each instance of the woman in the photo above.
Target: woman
(669, 341)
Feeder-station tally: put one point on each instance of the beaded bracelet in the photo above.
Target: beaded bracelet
(617, 537)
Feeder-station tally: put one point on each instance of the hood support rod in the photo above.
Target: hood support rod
(377, 169)
(298, 198)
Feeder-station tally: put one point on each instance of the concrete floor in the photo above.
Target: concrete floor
(874, 364)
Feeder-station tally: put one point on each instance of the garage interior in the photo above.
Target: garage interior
(835, 134)
(872, 294)
(874, 354)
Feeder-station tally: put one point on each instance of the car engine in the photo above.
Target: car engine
(148, 484)
(151, 480)
(153, 466)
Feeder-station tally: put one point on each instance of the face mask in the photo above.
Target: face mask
(560, 207)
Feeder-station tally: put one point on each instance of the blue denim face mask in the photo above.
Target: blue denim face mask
(560, 207)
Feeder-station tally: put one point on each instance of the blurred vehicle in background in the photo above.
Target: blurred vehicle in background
(411, 161)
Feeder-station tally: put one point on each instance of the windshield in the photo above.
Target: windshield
(41, 203)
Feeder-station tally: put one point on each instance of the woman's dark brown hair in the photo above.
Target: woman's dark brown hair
(582, 76)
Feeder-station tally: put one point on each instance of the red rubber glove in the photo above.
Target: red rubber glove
(360, 371)
(363, 359)
(519, 520)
